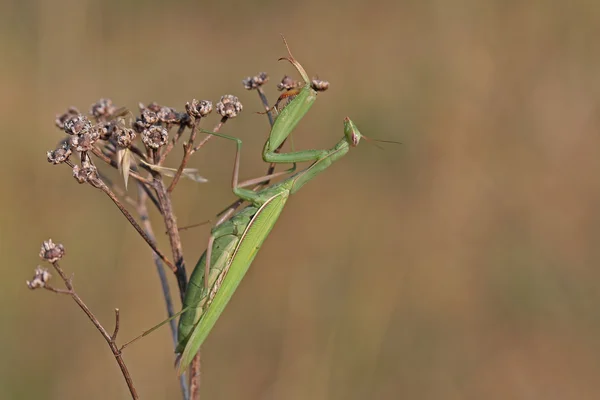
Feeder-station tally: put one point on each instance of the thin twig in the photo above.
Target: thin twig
(110, 339)
(171, 144)
(113, 337)
(102, 186)
(195, 377)
(164, 199)
(121, 192)
(265, 102)
(187, 152)
(209, 136)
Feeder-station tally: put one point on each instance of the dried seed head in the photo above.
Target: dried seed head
(41, 277)
(144, 122)
(51, 252)
(87, 173)
(253, 82)
(319, 85)
(102, 109)
(85, 141)
(61, 119)
(154, 106)
(199, 108)
(149, 117)
(77, 125)
(229, 106)
(109, 128)
(60, 154)
(168, 115)
(287, 83)
(155, 136)
(123, 136)
(139, 125)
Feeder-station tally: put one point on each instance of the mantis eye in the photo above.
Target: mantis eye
(351, 131)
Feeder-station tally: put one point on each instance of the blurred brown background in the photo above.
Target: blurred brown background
(462, 264)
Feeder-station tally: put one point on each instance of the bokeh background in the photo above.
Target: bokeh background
(462, 264)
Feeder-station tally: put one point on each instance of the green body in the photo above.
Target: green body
(236, 241)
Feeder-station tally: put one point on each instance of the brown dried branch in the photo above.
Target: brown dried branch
(52, 253)
(195, 378)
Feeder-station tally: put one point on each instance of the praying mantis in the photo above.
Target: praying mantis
(236, 239)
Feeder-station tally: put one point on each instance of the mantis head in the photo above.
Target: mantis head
(353, 135)
(351, 132)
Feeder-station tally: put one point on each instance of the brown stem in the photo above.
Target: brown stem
(102, 186)
(171, 144)
(187, 152)
(164, 199)
(195, 378)
(142, 211)
(113, 337)
(110, 339)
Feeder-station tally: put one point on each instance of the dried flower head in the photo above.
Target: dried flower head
(85, 141)
(41, 277)
(155, 136)
(149, 117)
(60, 154)
(319, 85)
(108, 128)
(229, 106)
(287, 83)
(139, 125)
(87, 173)
(168, 115)
(51, 252)
(102, 109)
(154, 106)
(199, 108)
(77, 125)
(72, 112)
(123, 136)
(253, 82)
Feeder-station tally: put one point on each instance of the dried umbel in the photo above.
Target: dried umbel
(40, 278)
(86, 140)
(229, 106)
(287, 83)
(86, 173)
(60, 154)
(123, 136)
(319, 85)
(155, 137)
(254, 82)
(102, 109)
(51, 252)
(72, 112)
(77, 125)
(199, 108)
(168, 115)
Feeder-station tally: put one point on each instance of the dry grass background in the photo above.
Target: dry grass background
(460, 265)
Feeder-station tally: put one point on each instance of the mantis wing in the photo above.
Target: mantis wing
(252, 238)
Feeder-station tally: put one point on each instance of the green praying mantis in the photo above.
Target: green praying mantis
(236, 239)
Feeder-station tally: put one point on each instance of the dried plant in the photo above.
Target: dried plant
(138, 147)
